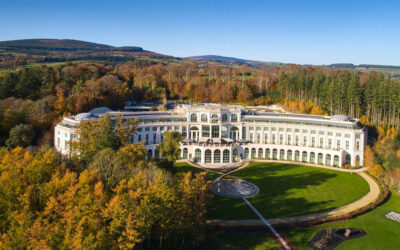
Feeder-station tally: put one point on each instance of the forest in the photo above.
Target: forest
(47, 201)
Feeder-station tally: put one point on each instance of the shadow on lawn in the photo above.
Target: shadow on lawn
(276, 187)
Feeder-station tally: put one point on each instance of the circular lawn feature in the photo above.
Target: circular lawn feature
(290, 190)
(234, 188)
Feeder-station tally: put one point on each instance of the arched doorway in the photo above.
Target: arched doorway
(304, 156)
(282, 154)
(226, 156)
(197, 155)
(312, 157)
(246, 153)
(289, 155)
(253, 153)
(194, 133)
(235, 154)
(207, 158)
(275, 154)
(297, 155)
(348, 159)
(217, 156)
(320, 158)
(260, 153)
(185, 153)
(267, 154)
(336, 160)
(328, 160)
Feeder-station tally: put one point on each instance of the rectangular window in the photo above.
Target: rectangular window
(147, 139)
(265, 138)
(139, 137)
(338, 134)
(251, 128)
(184, 131)
(347, 145)
(281, 129)
(176, 128)
(347, 135)
(273, 139)
(205, 131)
(357, 136)
(251, 137)
(169, 128)
(215, 131)
(147, 129)
(297, 130)
(338, 144)
(330, 133)
(138, 129)
(305, 131)
(273, 129)
(358, 145)
(224, 131)
(289, 139)
(289, 130)
(313, 131)
(258, 128)
(258, 137)
(58, 141)
(244, 136)
(305, 141)
(266, 128)
(321, 142)
(154, 138)
(154, 128)
(297, 140)
(330, 143)
(313, 141)
(321, 132)
(280, 139)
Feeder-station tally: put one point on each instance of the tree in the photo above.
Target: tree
(169, 147)
(21, 135)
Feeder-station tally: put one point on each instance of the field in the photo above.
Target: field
(290, 190)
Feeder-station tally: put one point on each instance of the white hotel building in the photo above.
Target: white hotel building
(217, 134)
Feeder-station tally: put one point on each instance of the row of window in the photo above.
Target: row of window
(296, 142)
(305, 123)
(214, 118)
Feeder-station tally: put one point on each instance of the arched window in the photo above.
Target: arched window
(275, 154)
(253, 153)
(234, 118)
(336, 160)
(214, 118)
(304, 156)
(226, 156)
(194, 128)
(207, 158)
(357, 160)
(289, 155)
(193, 118)
(204, 118)
(217, 156)
(282, 154)
(328, 160)
(197, 155)
(224, 117)
(246, 153)
(185, 153)
(348, 159)
(320, 158)
(235, 154)
(260, 153)
(312, 157)
(297, 155)
(267, 153)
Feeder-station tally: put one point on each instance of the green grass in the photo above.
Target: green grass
(382, 233)
(290, 190)
(182, 168)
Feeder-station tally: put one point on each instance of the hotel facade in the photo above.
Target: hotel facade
(217, 135)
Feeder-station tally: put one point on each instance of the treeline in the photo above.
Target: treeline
(74, 88)
(111, 199)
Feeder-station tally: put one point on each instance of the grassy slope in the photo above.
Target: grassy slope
(182, 168)
(290, 190)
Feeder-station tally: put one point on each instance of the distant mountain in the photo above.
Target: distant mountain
(62, 45)
(225, 59)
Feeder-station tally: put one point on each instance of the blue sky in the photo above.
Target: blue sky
(304, 32)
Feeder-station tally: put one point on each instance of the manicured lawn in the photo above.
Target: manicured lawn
(290, 190)
(182, 168)
(382, 233)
